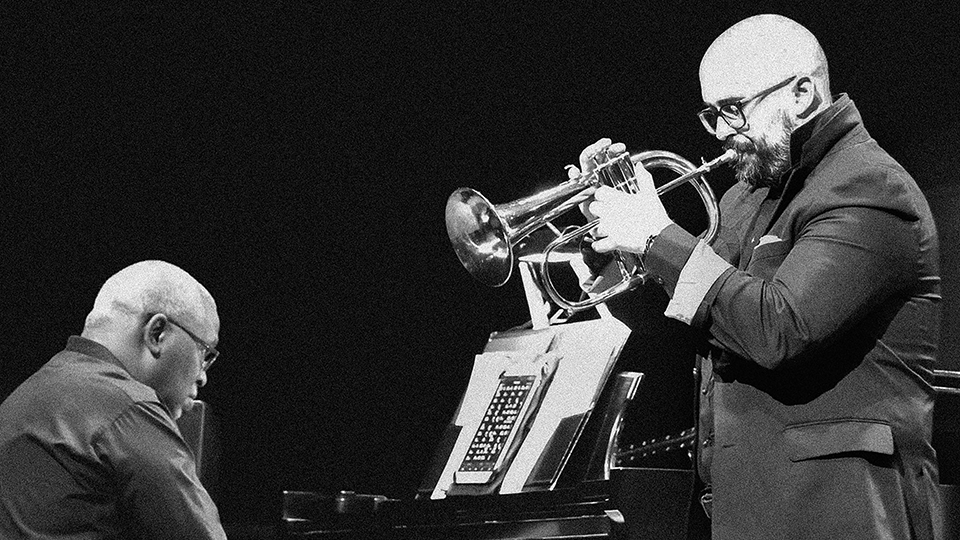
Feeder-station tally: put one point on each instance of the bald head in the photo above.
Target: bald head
(146, 288)
(759, 52)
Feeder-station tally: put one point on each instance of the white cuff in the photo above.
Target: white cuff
(700, 272)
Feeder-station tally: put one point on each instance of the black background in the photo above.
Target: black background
(296, 157)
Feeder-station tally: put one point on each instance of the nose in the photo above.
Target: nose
(723, 129)
(202, 378)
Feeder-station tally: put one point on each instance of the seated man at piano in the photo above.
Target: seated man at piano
(89, 446)
(818, 304)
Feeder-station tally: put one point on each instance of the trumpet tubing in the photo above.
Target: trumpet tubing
(483, 235)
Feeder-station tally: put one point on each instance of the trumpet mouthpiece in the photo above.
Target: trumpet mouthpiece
(728, 156)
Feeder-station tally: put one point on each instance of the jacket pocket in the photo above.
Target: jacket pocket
(821, 439)
(766, 259)
(778, 248)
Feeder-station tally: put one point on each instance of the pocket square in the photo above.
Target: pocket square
(768, 239)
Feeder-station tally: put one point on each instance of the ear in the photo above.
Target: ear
(806, 98)
(155, 333)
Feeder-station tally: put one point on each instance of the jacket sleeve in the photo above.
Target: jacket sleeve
(790, 299)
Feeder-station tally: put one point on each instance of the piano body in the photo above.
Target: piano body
(571, 483)
(635, 503)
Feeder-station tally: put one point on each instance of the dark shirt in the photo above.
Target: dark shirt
(88, 452)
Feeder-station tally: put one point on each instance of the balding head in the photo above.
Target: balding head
(759, 52)
(149, 287)
(160, 323)
(761, 80)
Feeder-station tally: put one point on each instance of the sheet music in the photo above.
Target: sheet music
(484, 380)
(587, 352)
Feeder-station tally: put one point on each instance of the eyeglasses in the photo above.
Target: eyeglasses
(210, 353)
(732, 113)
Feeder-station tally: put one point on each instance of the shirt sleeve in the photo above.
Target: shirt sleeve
(160, 493)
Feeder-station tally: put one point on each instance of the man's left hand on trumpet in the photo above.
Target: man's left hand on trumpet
(627, 220)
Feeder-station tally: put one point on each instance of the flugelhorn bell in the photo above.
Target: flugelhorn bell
(483, 235)
(480, 237)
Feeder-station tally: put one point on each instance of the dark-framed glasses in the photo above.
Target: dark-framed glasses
(732, 112)
(210, 353)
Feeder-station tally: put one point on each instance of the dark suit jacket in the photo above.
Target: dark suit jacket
(822, 328)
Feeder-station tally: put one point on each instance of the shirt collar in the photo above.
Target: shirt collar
(93, 349)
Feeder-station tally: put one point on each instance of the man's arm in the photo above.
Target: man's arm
(160, 493)
(844, 264)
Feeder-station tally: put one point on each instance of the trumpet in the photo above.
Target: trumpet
(484, 235)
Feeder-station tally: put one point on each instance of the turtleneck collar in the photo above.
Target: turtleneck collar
(810, 142)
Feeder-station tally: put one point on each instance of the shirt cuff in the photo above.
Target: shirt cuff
(702, 269)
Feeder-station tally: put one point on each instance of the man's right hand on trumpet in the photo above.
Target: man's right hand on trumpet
(628, 221)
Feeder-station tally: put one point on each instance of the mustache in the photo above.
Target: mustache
(745, 146)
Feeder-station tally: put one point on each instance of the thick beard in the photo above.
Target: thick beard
(762, 164)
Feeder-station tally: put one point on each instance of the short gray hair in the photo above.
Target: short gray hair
(147, 288)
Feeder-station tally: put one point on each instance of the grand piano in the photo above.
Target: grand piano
(567, 473)
(633, 503)
(585, 483)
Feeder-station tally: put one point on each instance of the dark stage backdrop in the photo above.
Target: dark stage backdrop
(296, 158)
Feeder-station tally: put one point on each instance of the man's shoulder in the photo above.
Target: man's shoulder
(72, 383)
(90, 375)
(861, 173)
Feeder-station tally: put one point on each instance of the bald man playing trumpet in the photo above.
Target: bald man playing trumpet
(818, 303)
